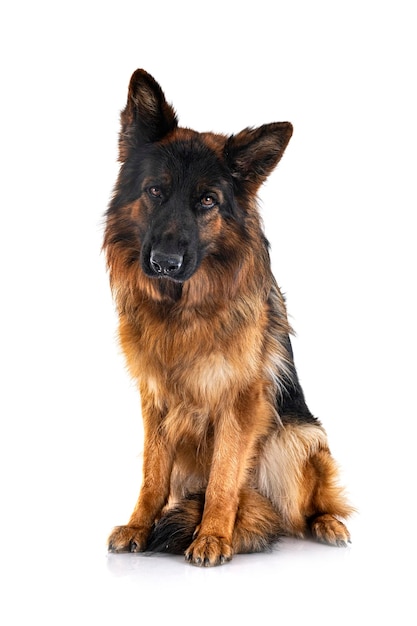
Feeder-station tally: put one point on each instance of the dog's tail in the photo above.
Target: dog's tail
(257, 526)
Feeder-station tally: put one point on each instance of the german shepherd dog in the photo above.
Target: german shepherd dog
(233, 458)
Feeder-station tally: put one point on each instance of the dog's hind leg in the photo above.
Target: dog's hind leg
(327, 501)
(328, 529)
(298, 474)
(258, 526)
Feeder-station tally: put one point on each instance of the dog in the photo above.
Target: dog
(233, 458)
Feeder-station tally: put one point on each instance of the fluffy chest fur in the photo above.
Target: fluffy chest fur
(194, 360)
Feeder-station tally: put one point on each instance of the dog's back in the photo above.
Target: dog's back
(233, 457)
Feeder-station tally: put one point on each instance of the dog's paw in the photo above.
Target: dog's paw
(127, 539)
(328, 529)
(207, 550)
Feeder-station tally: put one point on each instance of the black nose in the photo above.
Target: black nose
(165, 264)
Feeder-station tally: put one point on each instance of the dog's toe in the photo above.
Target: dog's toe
(327, 529)
(127, 539)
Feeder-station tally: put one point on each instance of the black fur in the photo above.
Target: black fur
(174, 532)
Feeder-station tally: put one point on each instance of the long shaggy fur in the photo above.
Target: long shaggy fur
(233, 458)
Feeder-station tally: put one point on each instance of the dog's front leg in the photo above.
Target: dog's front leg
(157, 466)
(233, 445)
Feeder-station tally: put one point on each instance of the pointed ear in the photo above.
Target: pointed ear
(253, 153)
(147, 116)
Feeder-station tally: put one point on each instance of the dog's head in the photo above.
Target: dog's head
(184, 196)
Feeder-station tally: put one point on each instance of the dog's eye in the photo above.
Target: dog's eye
(155, 191)
(207, 201)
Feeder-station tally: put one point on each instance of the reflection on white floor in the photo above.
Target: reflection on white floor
(299, 582)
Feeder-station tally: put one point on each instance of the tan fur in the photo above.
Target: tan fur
(297, 473)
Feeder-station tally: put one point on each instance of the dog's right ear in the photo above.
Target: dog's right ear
(147, 116)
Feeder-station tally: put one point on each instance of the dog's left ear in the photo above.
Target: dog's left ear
(147, 116)
(253, 153)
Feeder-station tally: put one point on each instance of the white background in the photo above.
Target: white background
(339, 213)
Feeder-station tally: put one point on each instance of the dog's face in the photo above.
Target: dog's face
(183, 196)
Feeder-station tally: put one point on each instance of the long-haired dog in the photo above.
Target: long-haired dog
(233, 458)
